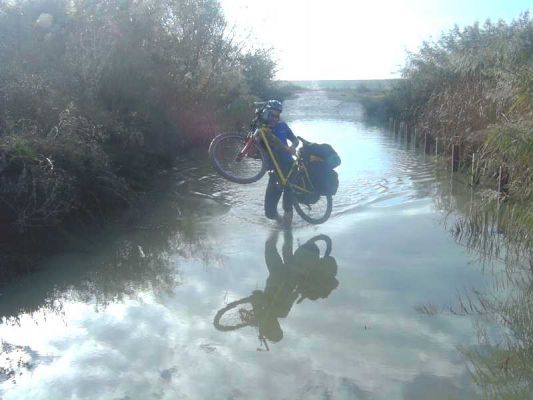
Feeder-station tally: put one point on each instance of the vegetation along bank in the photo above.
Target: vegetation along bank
(467, 98)
(95, 96)
(470, 95)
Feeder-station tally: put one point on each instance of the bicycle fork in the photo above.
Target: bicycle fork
(248, 145)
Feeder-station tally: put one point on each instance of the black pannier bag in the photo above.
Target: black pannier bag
(324, 152)
(320, 160)
(324, 179)
(319, 273)
(308, 198)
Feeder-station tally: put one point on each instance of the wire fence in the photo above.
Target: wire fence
(452, 150)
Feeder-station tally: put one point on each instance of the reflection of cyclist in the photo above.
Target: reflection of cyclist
(282, 151)
(302, 274)
(292, 278)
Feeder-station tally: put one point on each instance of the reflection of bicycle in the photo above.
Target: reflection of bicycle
(304, 274)
(245, 159)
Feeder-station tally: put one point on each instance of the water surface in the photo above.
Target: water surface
(129, 313)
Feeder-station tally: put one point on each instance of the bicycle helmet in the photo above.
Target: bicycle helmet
(271, 105)
(274, 105)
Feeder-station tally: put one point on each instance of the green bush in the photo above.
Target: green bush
(96, 94)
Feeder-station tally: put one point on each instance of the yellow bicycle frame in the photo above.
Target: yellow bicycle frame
(284, 179)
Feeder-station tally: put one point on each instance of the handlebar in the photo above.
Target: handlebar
(303, 140)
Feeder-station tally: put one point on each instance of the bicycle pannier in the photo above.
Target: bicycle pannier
(324, 152)
(319, 272)
(321, 159)
(324, 179)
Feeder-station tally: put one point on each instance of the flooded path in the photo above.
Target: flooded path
(129, 314)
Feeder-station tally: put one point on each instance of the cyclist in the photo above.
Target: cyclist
(279, 135)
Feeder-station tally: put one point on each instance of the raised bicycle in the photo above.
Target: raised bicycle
(245, 159)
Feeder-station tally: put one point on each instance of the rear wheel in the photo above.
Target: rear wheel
(315, 213)
(326, 239)
(228, 159)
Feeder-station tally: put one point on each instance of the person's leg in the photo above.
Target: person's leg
(272, 196)
(287, 199)
(287, 207)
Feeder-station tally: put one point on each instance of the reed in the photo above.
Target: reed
(472, 88)
(495, 233)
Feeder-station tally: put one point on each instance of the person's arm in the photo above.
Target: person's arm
(274, 141)
(294, 141)
(278, 144)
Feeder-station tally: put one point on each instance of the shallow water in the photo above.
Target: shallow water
(129, 313)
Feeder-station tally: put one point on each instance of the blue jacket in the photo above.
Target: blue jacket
(283, 133)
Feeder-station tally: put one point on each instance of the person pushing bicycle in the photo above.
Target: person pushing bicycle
(278, 136)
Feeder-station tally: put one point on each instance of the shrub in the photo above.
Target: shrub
(94, 95)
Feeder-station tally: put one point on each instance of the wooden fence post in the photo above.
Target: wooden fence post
(453, 158)
(500, 180)
(456, 154)
(473, 168)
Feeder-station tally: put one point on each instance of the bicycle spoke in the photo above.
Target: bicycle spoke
(235, 315)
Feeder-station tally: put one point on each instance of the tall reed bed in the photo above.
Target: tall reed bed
(470, 93)
(500, 307)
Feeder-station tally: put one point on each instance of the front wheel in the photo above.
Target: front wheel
(235, 315)
(316, 213)
(237, 159)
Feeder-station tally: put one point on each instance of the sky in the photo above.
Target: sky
(353, 39)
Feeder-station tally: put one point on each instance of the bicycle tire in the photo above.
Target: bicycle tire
(224, 326)
(223, 152)
(327, 241)
(315, 213)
